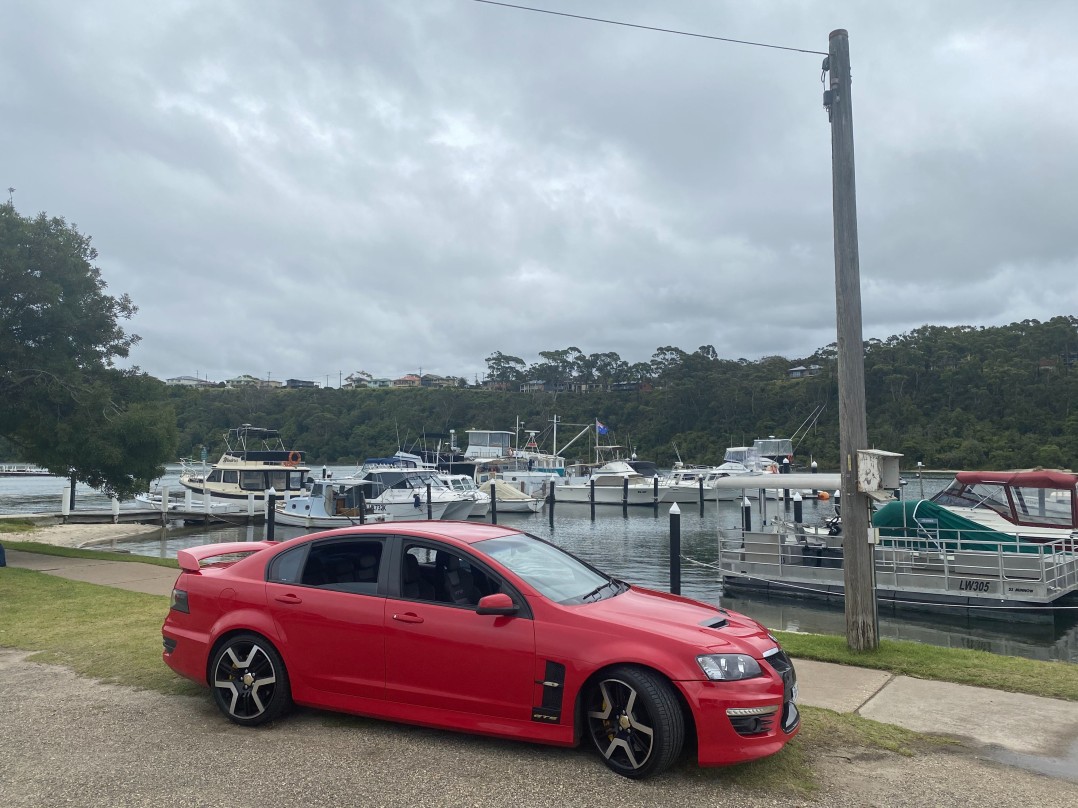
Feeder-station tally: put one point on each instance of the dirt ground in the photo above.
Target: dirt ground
(67, 740)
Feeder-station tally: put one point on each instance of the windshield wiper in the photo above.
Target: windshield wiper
(598, 589)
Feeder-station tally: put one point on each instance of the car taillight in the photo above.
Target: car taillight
(178, 602)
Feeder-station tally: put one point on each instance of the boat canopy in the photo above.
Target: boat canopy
(924, 520)
(1062, 480)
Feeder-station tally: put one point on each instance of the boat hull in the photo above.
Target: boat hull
(606, 494)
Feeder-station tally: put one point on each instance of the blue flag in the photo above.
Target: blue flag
(602, 430)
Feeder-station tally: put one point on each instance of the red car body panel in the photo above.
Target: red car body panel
(445, 666)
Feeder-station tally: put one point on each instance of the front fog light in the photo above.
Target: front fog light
(727, 667)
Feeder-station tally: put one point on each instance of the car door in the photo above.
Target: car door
(329, 606)
(441, 654)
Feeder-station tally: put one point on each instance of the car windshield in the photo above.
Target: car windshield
(556, 574)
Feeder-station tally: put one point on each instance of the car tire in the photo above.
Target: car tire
(249, 681)
(635, 721)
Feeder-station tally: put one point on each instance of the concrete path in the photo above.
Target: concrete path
(1030, 731)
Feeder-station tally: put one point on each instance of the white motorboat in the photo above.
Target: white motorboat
(465, 485)
(684, 483)
(401, 481)
(254, 460)
(615, 483)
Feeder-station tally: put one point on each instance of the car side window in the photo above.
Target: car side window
(346, 565)
(287, 567)
(443, 576)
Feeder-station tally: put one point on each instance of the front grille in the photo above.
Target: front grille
(780, 661)
(784, 667)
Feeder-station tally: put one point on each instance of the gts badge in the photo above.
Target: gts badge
(546, 716)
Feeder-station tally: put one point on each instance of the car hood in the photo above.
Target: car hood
(708, 627)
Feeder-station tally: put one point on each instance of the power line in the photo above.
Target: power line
(650, 27)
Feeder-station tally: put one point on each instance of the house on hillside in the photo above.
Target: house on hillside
(802, 372)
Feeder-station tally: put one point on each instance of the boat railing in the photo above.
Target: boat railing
(946, 561)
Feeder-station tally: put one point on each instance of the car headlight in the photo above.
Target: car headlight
(727, 667)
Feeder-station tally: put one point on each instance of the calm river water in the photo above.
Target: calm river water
(634, 546)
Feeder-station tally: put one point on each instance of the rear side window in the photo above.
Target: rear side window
(287, 567)
(347, 565)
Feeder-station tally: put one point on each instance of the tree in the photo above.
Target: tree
(66, 406)
(504, 368)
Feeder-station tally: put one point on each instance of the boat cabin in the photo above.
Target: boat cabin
(487, 443)
(1022, 498)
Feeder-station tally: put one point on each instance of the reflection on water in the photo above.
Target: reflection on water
(633, 545)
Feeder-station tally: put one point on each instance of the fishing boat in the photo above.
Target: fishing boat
(996, 539)
(254, 460)
(496, 457)
(335, 503)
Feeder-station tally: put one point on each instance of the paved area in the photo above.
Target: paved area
(72, 741)
(133, 575)
(1031, 731)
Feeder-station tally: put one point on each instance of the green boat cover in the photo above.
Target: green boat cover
(921, 519)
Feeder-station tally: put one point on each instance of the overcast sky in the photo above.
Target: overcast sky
(306, 189)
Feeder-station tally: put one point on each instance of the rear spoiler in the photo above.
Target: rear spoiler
(189, 559)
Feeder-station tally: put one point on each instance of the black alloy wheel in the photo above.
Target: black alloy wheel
(635, 721)
(249, 682)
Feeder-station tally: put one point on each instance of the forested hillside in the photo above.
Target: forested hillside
(950, 397)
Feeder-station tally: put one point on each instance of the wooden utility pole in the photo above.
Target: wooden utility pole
(862, 624)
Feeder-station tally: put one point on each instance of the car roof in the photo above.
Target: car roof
(464, 532)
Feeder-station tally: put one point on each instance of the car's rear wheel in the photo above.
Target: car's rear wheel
(635, 721)
(249, 681)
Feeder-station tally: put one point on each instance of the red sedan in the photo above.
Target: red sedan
(479, 628)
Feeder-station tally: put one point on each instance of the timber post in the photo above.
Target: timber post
(862, 621)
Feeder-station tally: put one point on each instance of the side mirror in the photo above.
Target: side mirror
(499, 604)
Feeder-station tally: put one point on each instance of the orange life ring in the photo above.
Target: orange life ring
(294, 459)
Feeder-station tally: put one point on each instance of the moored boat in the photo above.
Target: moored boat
(333, 503)
(615, 482)
(996, 539)
(685, 483)
(254, 460)
(511, 499)
(23, 470)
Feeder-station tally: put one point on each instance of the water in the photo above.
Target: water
(634, 546)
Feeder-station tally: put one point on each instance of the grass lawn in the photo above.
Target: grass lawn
(114, 636)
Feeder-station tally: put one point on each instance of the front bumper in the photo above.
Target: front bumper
(744, 720)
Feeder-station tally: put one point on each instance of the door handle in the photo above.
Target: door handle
(408, 617)
(288, 597)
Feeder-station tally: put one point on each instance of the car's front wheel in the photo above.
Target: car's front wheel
(635, 721)
(249, 680)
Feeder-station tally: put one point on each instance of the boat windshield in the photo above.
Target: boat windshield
(556, 574)
(1032, 505)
